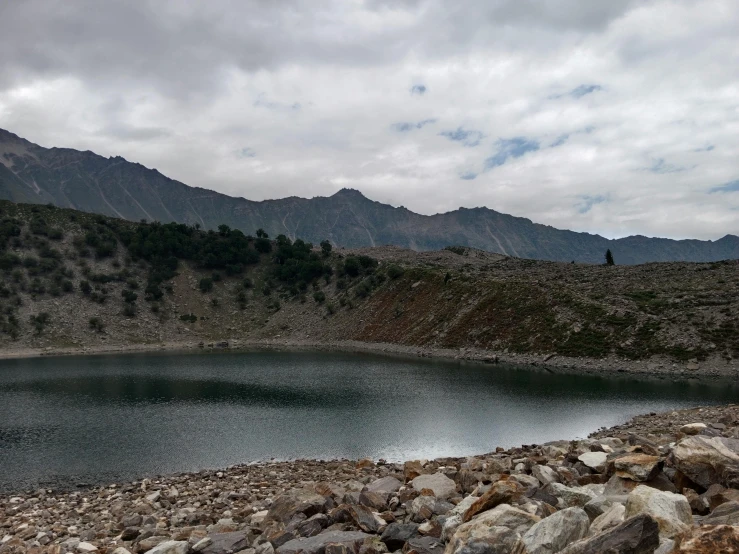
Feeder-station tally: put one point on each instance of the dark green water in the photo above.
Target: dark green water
(103, 419)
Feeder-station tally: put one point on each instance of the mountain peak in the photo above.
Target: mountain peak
(350, 193)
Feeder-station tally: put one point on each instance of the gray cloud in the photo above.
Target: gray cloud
(566, 102)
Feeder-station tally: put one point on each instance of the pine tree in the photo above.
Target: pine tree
(609, 258)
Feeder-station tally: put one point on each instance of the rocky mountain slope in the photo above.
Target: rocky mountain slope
(73, 281)
(116, 187)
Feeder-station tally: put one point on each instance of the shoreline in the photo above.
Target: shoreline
(659, 367)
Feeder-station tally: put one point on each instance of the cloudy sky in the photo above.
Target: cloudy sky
(618, 117)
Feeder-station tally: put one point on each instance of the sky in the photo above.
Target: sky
(617, 118)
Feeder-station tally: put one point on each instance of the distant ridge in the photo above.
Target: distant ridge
(116, 187)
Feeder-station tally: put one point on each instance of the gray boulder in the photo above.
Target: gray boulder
(671, 511)
(555, 532)
(725, 514)
(638, 535)
(224, 543)
(317, 545)
(708, 460)
(442, 486)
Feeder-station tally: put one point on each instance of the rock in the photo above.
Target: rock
(698, 504)
(130, 533)
(725, 514)
(120, 550)
(638, 535)
(692, 428)
(170, 547)
(365, 518)
(496, 531)
(423, 545)
(286, 505)
(613, 517)
(671, 511)
(373, 500)
(412, 469)
(373, 545)
(385, 484)
(258, 517)
(442, 486)
(86, 547)
(570, 497)
(545, 474)
(555, 532)
(489, 540)
(502, 492)
(708, 460)
(453, 519)
(594, 460)
(637, 467)
(396, 535)
(717, 495)
(422, 508)
(317, 545)
(225, 543)
(710, 539)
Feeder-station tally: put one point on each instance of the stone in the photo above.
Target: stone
(692, 428)
(698, 504)
(130, 533)
(442, 486)
(637, 535)
(365, 518)
(597, 506)
(385, 484)
(496, 531)
(555, 532)
(671, 511)
(594, 460)
(423, 545)
(373, 500)
(422, 508)
(544, 474)
(412, 469)
(491, 540)
(286, 505)
(373, 545)
(637, 467)
(710, 539)
(396, 535)
(502, 492)
(120, 550)
(708, 460)
(613, 517)
(453, 519)
(86, 547)
(725, 514)
(569, 497)
(225, 543)
(170, 547)
(317, 545)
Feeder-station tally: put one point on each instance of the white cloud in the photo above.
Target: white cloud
(313, 91)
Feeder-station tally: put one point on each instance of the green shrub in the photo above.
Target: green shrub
(96, 324)
(85, 287)
(206, 284)
(394, 271)
(40, 321)
(319, 296)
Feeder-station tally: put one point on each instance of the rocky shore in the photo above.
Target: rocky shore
(659, 367)
(660, 483)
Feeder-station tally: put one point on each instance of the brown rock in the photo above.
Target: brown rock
(502, 492)
(412, 469)
(638, 467)
(710, 539)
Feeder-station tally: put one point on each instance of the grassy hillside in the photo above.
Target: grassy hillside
(72, 280)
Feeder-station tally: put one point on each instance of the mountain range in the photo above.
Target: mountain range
(116, 187)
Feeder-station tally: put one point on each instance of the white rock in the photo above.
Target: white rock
(671, 511)
(86, 547)
(258, 517)
(121, 550)
(692, 428)
(570, 497)
(609, 519)
(544, 474)
(170, 547)
(502, 524)
(594, 460)
(555, 532)
(454, 518)
(442, 486)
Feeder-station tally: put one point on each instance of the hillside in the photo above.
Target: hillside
(73, 281)
(115, 187)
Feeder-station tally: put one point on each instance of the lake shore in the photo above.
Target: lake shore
(660, 367)
(287, 507)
